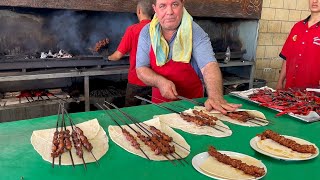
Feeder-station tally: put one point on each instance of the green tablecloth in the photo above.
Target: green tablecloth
(19, 159)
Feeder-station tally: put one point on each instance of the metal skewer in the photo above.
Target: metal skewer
(121, 127)
(184, 109)
(57, 125)
(190, 100)
(172, 110)
(165, 102)
(137, 123)
(74, 125)
(65, 129)
(140, 127)
(136, 132)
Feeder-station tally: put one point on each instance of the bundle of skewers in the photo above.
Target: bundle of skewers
(155, 142)
(199, 118)
(62, 139)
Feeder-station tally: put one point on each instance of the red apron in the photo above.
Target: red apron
(186, 80)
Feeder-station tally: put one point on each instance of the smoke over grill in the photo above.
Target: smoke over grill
(27, 31)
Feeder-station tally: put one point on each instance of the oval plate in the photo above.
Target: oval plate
(199, 159)
(253, 144)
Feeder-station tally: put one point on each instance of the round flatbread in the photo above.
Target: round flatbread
(117, 136)
(272, 147)
(215, 168)
(222, 117)
(41, 140)
(174, 120)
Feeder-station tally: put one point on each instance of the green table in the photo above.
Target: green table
(19, 159)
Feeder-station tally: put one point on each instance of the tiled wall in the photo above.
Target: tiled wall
(277, 19)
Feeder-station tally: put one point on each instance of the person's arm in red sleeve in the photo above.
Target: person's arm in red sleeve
(124, 46)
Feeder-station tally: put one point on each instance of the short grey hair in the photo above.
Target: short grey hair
(146, 7)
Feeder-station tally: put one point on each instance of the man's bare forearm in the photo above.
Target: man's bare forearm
(117, 55)
(213, 80)
(149, 77)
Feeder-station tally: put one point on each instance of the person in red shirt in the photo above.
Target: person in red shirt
(129, 44)
(301, 53)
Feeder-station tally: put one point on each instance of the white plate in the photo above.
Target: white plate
(199, 159)
(253, 144)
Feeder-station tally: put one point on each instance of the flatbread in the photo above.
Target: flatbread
(117, 137)
(174, 120)
(253, 113)
(215, 168)
(41, 140)
(277, 149)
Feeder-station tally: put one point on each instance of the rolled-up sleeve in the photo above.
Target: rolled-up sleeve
(143, 50)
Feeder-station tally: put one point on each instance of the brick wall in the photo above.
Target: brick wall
(277, 19)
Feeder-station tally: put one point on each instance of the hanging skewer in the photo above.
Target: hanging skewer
(172, 110)
(146, 131)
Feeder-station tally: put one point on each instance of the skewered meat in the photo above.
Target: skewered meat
(100, 44)
(83, 139)
(161, 134)
(77, 144)
(238, 164)
(67, 140)
(55, 143)
(288, 142)
(58, 146)
(204, 115)
(158, 145)
(131, 139)
(241, 116)
(200, 121)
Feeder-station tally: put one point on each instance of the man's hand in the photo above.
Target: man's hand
(167, 89)
(220, 105)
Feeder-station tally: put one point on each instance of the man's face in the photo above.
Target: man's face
(169, 13)
(314, 6)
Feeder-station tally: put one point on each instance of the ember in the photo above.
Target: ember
(60, 54)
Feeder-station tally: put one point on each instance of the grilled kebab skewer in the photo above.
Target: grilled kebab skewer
(167, 108)
(139, 125)
(238, 164)
(288, 142)
(151, 136)
(244, 116)
(81, 140)
(127, 134)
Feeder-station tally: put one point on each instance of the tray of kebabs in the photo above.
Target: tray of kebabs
(227, 165)
(242, 117)
(301, 104)
(284, 147)
(196, 122)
